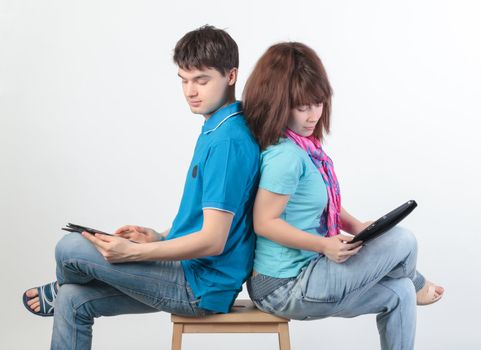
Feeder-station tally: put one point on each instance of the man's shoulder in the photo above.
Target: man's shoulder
(234, 131)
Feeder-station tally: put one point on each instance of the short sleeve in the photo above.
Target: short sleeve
(227, 171)
(281, 170)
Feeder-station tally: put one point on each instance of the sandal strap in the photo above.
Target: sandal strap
(46, 295)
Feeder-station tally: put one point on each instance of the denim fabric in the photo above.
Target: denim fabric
(380, 279)
(91, 287)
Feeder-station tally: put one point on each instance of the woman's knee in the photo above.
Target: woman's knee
(405, 238)
(402, 290)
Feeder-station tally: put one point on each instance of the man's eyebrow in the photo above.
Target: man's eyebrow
(197, 77)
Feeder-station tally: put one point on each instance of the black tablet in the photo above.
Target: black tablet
(385, 223)
(79, 229)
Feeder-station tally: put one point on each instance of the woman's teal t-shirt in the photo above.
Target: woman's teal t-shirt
(287, 169)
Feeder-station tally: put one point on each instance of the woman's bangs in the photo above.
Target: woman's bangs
(304, 93)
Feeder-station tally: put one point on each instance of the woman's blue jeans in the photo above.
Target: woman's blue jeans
(91, 287)
(380, 279)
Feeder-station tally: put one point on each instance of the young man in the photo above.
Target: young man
(196, 267)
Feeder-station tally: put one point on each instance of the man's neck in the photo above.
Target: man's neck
(226, 103)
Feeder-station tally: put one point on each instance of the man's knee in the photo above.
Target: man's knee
(71, 299)
(70, 246)
(67, 296)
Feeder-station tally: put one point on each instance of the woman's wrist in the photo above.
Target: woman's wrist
(321, 246)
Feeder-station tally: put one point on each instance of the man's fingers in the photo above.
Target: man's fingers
(95, 240)
(127, 235)
(122, 229)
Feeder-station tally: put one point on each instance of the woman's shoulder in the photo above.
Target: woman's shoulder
(285, 149)
(284, 145)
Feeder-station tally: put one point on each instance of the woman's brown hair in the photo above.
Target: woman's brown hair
(288, 75)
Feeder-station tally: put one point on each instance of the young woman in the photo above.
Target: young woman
(304, 268)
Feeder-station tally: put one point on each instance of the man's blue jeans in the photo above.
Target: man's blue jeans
(380, 279)
(92, 287)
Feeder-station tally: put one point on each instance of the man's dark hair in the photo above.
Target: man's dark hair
(207, 47)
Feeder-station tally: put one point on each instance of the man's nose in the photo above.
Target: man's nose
(191, 90)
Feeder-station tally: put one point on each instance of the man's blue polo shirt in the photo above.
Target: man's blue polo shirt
(223, 175)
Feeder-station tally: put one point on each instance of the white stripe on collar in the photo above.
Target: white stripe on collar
(222, 121)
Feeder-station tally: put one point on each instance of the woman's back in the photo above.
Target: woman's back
(287, 169)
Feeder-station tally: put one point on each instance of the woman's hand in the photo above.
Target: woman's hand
(139, 234)
(114, 249)
(337, 248)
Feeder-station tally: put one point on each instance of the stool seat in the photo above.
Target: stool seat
(243, 318)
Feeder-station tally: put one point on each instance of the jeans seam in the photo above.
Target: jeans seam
(158, 300)
(69, 261)
(74, 337)
(400, 310)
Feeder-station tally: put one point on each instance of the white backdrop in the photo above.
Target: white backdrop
(94, 129)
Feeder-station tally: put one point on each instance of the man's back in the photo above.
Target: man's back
(223, 175)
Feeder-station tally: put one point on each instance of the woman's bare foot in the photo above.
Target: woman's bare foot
(42, 307)
(429, 294)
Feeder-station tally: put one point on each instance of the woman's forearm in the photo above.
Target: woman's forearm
(349, 223)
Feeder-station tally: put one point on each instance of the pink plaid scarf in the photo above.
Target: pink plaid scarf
(330, 218)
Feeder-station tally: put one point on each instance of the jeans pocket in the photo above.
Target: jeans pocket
(317, 284)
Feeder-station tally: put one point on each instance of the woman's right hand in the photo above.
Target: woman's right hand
(138, 234)
(337, 248)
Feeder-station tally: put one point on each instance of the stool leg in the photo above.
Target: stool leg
(177, 336)
(283, 333)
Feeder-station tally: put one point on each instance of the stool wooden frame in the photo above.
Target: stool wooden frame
(243, 318)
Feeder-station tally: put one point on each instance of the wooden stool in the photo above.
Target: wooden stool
(243, 318)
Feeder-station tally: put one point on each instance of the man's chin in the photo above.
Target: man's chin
(194, 110)
(197, 110)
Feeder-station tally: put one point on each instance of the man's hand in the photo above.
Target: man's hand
(114, 249)
(337, 248)
(139, 234)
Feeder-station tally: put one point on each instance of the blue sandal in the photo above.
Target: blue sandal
(46, 295)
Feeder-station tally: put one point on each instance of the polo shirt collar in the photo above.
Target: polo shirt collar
(220, 116)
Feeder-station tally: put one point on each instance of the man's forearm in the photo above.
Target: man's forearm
(194, 245)
(163, 235)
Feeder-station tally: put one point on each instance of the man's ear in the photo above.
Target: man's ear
(232, 76)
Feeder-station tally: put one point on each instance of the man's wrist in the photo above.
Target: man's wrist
(137, 253)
